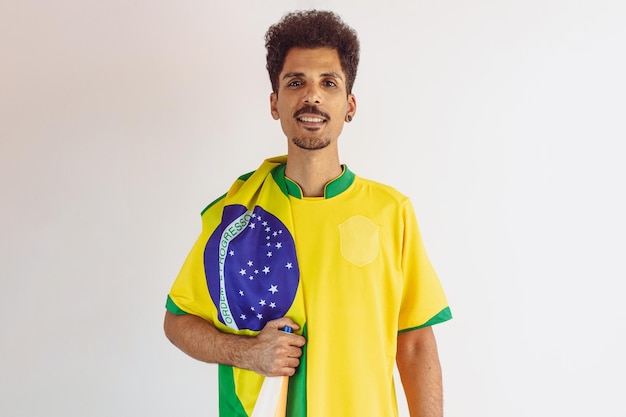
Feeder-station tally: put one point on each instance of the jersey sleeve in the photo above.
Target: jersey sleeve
(189, 293)
(424, 302)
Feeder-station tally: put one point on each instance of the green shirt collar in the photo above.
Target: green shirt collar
(332, 189)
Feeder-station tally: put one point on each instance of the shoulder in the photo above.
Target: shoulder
(218, 203)
(380, 190)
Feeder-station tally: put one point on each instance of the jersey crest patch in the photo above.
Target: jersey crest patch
(359, 240)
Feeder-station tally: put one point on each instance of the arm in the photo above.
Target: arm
(271, 353)
(420, 372)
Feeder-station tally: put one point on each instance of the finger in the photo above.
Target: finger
(289, 368)
(284, 366)
(287, 371)
(294, 352)
(292, 324)
(290, 340)
(297, 340)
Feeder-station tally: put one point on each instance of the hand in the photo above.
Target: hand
(274, 352)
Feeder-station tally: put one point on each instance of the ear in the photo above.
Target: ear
(351, 106)
(274, 106)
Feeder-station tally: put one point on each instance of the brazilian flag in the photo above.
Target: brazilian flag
(243, 272)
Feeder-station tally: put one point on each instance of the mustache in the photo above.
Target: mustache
(311, 110)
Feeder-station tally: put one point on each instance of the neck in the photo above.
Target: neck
(312, 170)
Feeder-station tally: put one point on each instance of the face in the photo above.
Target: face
(312, 103)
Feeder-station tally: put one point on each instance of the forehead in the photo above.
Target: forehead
(312, 61)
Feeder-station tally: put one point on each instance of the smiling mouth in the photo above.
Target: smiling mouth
(311, 123)
(308, 119)
(311, 115)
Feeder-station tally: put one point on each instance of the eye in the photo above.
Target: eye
(295, 83)
(330, 83)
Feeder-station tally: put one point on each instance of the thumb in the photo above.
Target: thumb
(280, 323)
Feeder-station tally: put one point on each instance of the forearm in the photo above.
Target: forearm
(270, 353)
(202, 341)
(420, 372)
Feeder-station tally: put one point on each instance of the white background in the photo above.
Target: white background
(502, 120)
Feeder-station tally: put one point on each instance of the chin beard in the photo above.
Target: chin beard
(311, 144)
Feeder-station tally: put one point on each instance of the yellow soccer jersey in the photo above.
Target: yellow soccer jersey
(364, 276)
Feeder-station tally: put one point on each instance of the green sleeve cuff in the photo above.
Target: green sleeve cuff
(443, 315)
(171, 306)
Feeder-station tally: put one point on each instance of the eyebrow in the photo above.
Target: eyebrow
(301, 74)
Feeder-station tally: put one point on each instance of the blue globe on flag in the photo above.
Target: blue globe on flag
(251, 268)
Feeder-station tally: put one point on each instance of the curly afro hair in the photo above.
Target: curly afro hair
(311, 29)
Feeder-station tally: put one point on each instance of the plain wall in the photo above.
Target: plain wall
(502, 120)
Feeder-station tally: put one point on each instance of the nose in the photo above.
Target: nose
(312, 95)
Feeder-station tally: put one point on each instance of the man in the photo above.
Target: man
(304, 243)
